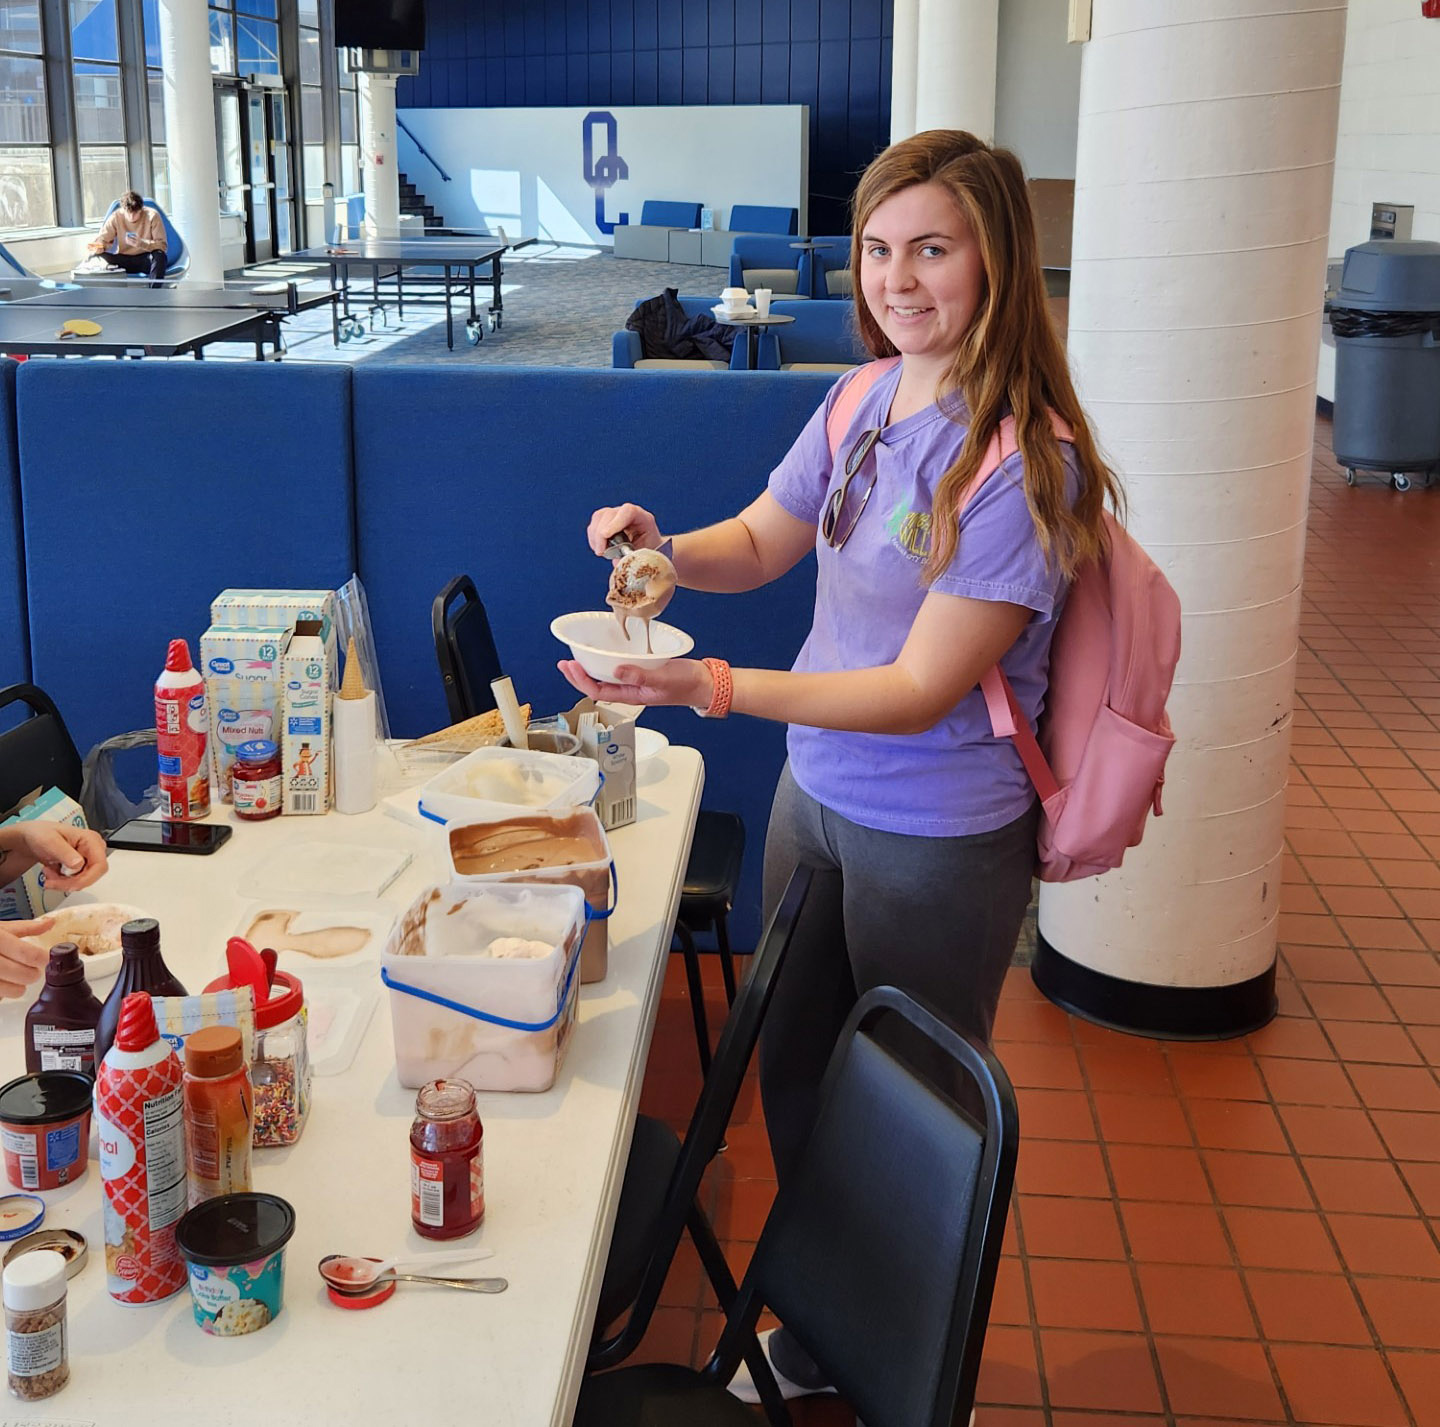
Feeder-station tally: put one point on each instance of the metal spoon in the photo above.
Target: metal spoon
(350, 1273)
(470, 1285)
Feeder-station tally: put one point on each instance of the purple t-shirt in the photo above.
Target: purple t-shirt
(955, 778)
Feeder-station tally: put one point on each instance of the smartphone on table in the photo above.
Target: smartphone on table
(145, 835)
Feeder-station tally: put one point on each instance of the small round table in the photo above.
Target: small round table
(753, 322)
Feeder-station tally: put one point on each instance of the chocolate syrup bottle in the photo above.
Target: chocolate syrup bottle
(60, 1026)
(142, 968)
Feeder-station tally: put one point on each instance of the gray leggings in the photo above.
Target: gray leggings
(936, 916)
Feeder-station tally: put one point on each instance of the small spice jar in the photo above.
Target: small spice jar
(256, 781)
(37, 1354)
(280, 1066)
(447, 1161)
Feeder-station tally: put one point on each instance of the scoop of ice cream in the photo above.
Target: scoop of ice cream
(518, 948)
(641, 584)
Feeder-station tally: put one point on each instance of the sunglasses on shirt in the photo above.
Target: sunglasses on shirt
(834, 524)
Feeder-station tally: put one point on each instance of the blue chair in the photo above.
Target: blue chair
(626, 351)
(822, 338)
(650, 237)
(830, 267)
(760, 261)
(756, 218)
(177, 255)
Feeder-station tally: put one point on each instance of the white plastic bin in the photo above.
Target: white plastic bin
(592, 868)
(458, 1011)
(497, 781)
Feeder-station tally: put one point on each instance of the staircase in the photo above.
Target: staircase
(413, 201)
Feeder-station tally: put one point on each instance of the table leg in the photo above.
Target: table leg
(497, 299)
(752, 346)
(400, 291)
(449, 316)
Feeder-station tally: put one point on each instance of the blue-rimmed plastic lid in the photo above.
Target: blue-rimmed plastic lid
(20, 1214)
(256, 750)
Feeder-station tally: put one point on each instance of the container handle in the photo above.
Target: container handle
(590, 911)
(434, 817)
(436, 999)
(599, 788)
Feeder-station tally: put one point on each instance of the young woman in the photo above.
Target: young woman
(922, 822)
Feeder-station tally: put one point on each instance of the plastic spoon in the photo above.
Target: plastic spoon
(349, 1273)
(470, 1285)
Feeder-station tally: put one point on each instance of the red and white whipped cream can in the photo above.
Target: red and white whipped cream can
(182, 729)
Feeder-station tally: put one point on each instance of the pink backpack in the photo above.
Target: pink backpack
(1104, 732)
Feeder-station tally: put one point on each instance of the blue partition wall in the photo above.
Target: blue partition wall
(146, 488)
(14, 632)
(495, 473)
(832, 55)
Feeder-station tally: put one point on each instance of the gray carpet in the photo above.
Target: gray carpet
(562, 306)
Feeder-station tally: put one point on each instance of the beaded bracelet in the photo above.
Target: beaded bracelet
(722, 692)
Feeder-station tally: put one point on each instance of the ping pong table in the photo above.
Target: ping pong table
(389, 259)
(145, 321)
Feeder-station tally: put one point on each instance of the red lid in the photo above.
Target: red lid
(136, 1029)
(287, 998)
(177, 661)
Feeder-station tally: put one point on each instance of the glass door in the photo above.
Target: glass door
(281, 172)
(230, 151)
(260, 200)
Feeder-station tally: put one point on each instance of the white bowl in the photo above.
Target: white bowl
(595, 640)
(95, 928)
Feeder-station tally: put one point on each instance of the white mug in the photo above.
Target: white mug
(762, 301)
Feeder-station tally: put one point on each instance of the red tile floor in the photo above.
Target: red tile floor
(1232, 1232)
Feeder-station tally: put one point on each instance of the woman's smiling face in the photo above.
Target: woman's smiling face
(921, 272)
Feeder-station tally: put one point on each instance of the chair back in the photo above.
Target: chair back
(38, 752)
(10, 265)
(464, 649)
(823, 333)
(177, 255)
(757, 218)
(768, 262)
(662, 213)
(880, 1252)
(832, 266)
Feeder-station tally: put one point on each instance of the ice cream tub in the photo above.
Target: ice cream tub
(566, 846)
(234, 1252)
(484, 983)
(495, 782)
(45, 1128)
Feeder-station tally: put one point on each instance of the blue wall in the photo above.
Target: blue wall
(833, 55)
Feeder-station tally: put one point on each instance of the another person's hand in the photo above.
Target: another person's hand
(686, 682)
(21, 961)
(635, 521)
(73, 857)
(96, 247)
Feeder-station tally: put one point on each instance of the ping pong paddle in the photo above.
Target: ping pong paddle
(79, 327)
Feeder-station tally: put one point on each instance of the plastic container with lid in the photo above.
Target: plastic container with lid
(501, 781)
(45, 1124)
(36, 1352)
(60, 1026)
(257, 781)
(234, 1250)
(218, 1114)
(280, 1068)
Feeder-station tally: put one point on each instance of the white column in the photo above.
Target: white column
(380, 175)
(1202, 203)
(190, 134)
(955, 65)
(904, 63)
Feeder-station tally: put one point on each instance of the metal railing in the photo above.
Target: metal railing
(404, 129)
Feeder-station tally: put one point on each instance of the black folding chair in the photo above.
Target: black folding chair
(662, 1177)
(38, 752)
(465, 649)
(879, 1255)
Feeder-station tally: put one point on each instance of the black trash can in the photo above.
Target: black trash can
(1386, 321)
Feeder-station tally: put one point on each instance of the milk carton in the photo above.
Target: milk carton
(307, 678)
(241, 667)
(28, 897)
(269, 609)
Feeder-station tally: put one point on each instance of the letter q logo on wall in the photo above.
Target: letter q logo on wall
(603, 173)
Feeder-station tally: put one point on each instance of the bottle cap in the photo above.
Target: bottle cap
(177, 658)
(34, 1280)
(255, 750)
(143, 934)
(214, 1051)
(137, 1027)
(65, 967)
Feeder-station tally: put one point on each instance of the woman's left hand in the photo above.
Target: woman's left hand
(681, 681)
(73, 857)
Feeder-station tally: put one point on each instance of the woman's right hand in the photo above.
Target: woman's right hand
(21, 961)
(637, 524)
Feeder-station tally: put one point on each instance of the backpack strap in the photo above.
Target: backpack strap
(852, 393)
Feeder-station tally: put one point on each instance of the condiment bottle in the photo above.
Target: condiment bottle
(142, 968)
(256, 781)
(37, 1355)
(447, 1161)
(60, 1026)
(182, 729)
(139, 1114)
(219, 1113)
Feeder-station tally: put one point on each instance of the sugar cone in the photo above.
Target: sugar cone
(353, 685)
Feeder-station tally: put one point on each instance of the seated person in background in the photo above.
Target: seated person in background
(74, 857)
(138, 236)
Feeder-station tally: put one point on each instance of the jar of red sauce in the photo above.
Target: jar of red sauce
(447, 1162)
(256, 780)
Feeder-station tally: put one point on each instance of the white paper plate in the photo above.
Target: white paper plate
(79, 920)
(649, 742)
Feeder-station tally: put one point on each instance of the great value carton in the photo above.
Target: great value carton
(241, 667)
(306, 673)
(27, 896)
(269, 609)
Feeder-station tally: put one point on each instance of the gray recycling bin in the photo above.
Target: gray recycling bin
(1386, 321)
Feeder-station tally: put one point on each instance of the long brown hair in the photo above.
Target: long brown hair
(1010, 361)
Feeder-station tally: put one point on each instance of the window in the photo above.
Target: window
(222, 42)
(27, 181)
(104, 176)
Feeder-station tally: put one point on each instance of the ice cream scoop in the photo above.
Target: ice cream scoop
(641, 584)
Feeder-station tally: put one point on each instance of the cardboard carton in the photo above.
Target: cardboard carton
(610, 740)
(306, 674)
(269, 609)
(27, 897)
(241, 667)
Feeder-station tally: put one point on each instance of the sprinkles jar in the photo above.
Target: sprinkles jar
(280, 1069)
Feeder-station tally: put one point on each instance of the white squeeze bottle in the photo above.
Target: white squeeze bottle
(182, 729)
